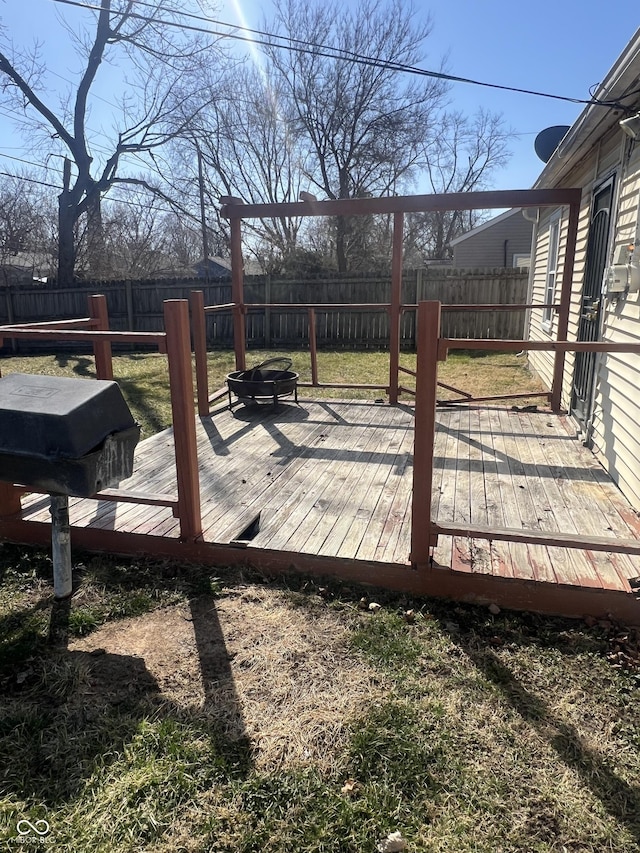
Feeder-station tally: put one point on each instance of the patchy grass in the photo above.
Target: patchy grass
(164, 709)
(144, 378)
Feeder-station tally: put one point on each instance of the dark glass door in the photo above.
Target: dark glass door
(591, 303)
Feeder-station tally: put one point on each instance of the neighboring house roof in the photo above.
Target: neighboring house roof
(215, 266)
(490, 223)
(499, 242)
(620, 85)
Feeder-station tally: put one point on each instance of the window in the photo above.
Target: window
(552, 271)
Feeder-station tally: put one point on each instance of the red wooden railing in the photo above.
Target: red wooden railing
(175, 342)
(425, 530)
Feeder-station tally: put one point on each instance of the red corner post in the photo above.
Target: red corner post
(565, 304)
(237, 293)
(101, 349)
(396, 305)
(428, 333)
(176, 323)
(199, 328)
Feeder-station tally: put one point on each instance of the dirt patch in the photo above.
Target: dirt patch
(262, 668)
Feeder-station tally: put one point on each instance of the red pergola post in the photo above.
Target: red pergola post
(176, 322)
(428, 333)
(101, 349)
(237, 293)
(396, 304)
(565, 304)
(199, 329)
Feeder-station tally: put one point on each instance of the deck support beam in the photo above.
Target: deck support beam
(101, 349)
(198, 324)
(428, 332)
(176, 321)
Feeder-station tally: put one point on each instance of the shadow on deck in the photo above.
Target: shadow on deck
(326, 487)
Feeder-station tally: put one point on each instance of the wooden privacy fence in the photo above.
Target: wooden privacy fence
(138, 306)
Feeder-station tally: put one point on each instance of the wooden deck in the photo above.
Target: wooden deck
(326, 487)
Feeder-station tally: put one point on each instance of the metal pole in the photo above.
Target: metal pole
(61, 546)
(203, 220)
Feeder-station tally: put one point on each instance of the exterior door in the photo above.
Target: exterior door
(591, 303)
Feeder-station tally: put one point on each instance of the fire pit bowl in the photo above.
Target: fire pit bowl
(264, 383)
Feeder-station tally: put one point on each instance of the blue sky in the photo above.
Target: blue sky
(561, 47)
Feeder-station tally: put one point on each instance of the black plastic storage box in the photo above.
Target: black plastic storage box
(65, 436)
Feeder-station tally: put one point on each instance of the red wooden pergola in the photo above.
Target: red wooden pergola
(397, 206)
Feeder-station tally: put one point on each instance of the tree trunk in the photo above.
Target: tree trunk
(96, 250)
(342, 228)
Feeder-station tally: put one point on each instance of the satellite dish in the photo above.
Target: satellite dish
(548, 140)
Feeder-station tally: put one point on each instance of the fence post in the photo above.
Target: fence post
(313, 349)
(128, 295)
(176, 322)
(198, 325)
(422, 538)
(394, 314)
(10, 314)
(101, 349)
(267, 312)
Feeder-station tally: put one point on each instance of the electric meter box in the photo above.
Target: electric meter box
(622, 278)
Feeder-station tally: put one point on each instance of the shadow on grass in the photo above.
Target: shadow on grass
(620, 799)
(84, 717)
(82, 365)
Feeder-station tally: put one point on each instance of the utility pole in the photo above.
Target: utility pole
(203, 221)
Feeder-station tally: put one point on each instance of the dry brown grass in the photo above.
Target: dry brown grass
(253, 664)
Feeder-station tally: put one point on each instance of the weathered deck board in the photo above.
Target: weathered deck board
(332, 480)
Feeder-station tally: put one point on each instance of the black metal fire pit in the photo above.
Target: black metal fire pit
(264, 383)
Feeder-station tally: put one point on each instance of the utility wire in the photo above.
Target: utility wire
(299, 46)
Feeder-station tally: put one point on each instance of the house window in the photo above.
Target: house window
(552, 271)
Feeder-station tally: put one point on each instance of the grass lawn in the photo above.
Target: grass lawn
(144, 378)
(169, 709)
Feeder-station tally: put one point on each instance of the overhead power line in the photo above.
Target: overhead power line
(300, 46)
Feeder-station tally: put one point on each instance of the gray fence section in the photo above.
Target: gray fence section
(137, 306)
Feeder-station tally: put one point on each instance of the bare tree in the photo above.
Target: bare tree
(462, 156)
(25, 226)
(249, 149)
(159, 59)
(363, 124)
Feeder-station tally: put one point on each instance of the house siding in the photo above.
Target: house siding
(487, 248)
(614, 432)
